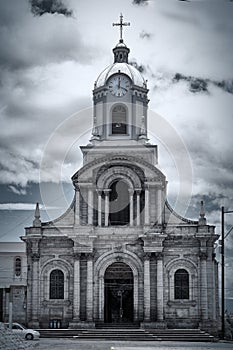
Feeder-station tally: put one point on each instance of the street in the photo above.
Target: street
(74, 344)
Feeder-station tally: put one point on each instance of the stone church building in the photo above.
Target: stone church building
(120, 254)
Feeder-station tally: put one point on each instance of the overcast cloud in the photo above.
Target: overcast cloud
(53, 51)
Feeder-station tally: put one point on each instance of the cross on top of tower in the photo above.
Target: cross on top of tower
(121, 24)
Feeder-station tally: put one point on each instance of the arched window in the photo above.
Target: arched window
(119, 122)
(181, 284)
(56, 286)
(18, 266)
(119, 203)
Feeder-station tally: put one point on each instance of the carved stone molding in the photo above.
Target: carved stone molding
(89, 256)
(54, 302)
(181, 303)
(119, 258)
(147, 256)
(35, 257)
(76, 256)
(159, 255)
(203, 256)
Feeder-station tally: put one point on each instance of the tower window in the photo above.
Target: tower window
(56, 290)
(119, 125)
(18, 266)
(181, 284)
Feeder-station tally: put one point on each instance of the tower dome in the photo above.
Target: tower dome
(121, 65)
(124, 68)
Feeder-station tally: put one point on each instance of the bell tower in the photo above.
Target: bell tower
(120, 99)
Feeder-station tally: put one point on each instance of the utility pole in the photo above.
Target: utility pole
(223, 274)
(223, 266)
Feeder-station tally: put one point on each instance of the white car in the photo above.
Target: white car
(28, 334)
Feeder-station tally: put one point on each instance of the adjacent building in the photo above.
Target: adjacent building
(13, 281)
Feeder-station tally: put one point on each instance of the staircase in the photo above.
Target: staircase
(130, 334)
(186, 335)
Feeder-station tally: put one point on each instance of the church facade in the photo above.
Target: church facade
(120, 254)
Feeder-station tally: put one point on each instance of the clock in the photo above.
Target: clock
(118, 85)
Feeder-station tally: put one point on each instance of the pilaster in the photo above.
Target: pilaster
(76, 298)
(147, 287)
(160, 287)
(89, 300)
(203, 286)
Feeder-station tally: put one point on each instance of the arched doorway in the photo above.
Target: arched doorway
(118, 294)
(119, 203)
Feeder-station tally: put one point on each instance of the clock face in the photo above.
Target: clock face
(118, 85)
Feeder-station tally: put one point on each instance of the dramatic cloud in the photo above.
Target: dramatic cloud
(38, 40)
(144, 35)
(50, 60)
(201, 85)
(140, 2)
(195, 84)
(18, 190)
(40, 7)
(139, 67)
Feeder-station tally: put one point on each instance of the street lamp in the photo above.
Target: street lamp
(223, 268)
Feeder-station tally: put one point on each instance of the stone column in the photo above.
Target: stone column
(160, 313)
(99, 208)
(106, 207)
(35, 289)
(89, 300)
(131, 192)
(76, 298)
(203, 289)
(146, 287)
(147, 219)
(138, 207)
(90, 206)
(77, 209)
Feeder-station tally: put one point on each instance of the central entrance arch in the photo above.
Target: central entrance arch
(118, 294)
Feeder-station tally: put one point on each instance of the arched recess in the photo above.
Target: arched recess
(45, 277)
(121, 184)
(119, 203)
(101, 265)
(187, 265)
(118, 172)
(119, 124)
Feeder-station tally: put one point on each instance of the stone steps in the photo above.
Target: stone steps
(132, 334)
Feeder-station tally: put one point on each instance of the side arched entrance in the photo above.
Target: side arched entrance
(118, 294)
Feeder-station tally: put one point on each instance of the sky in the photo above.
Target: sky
(52, 51)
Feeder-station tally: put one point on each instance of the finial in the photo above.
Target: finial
(37, 221)
(121, 24)
(202, 211)
(202, 219)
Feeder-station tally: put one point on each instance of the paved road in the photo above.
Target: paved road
(74, 344)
